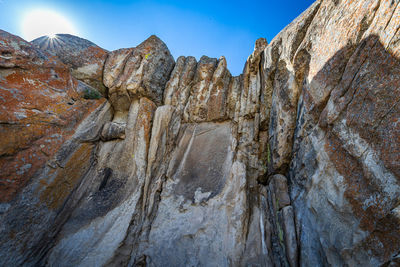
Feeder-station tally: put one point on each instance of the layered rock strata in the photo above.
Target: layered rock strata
(293, 163)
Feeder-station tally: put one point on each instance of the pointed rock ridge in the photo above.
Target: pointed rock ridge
(254, 59)
(178, 88)
(252, 77)
(284, 83)
(208, 96)
(84, 58)
(137, 72)
(17, 53)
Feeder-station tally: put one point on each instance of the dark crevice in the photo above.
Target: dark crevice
(394, 11)
(107, 172)
(106, 96)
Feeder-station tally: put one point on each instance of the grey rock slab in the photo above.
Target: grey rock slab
(201, 214)
(279, 188)
(289, 229)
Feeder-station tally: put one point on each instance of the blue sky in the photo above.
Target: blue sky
(195, 28)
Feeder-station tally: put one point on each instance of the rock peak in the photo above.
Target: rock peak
(142, 71)
(154, 42)
(83, 57)
(261, 44)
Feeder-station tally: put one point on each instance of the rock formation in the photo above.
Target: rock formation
(293, 163)
(41, 107)
(84, 58)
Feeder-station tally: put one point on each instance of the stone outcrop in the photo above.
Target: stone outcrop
(295, 162)
(138, 72)
(41, 106)
(340, 129)
(84, 58)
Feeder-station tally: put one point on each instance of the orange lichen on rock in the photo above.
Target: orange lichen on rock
(146, 109)
(67, 178)
(40, 108)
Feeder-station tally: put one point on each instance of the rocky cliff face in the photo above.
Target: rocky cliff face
(293, 163)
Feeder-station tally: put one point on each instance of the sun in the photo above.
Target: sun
(40, 22)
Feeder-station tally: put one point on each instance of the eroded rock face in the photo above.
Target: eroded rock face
(209, 91)
(339, 166)
(138, 72)
(40, 108)
(85, 59)
(178, 88)
(201, 194)
(293, 163)
(99, 224)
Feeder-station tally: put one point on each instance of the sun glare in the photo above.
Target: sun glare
(42, 22)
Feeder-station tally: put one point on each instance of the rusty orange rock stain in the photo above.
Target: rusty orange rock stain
(55, 194)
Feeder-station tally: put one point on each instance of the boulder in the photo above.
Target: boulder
(137, 72)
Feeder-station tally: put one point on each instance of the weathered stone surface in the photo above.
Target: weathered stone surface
(40, 108)
(187, 229)
(137, 72)
(208, 98)
(341, 165)
(30, 222)
(280, 77)
(165, 129)
(168, 172)
(113, 130)
(279, 190)
(233, 98)
(258, 250)
(99, 224)
(85, 59)
(250, 95)
(289, 230)
(180, 83)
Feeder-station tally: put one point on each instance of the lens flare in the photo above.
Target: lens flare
(46, 22)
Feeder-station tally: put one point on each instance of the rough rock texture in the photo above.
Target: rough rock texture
(85, 59)
(209, 91)
(136, 72)
(293, 163)
(338, 144)
(40, 108)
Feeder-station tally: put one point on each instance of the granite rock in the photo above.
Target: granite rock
(40, 108)
(137, 72)
(295, 162)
